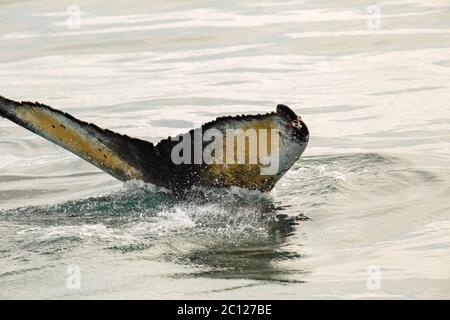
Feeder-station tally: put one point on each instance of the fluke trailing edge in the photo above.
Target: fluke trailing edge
(250, 151)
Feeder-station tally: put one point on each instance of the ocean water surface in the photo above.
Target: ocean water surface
(365, 213)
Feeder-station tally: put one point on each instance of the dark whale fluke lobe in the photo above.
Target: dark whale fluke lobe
(127, 158)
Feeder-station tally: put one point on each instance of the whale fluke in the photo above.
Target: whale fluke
(119, 155)
(127, 158)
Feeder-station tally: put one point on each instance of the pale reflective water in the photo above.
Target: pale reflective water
(364, 214)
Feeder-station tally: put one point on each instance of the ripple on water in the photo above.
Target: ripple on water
(232, 233)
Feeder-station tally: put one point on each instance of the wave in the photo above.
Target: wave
(138, 213)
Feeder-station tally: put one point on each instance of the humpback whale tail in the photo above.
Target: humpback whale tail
(127, 158)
